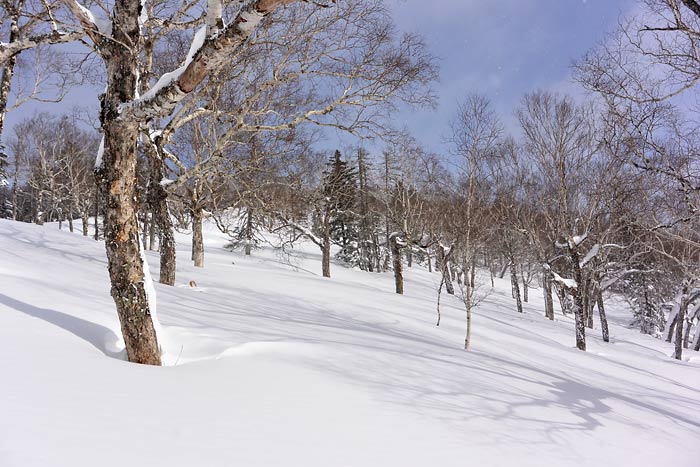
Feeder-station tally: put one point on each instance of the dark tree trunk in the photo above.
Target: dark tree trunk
(249, 232)
(579, 310)
(443, 262)
(502, 274)
(398, 269)
(124, 254)
(678, 354)
(152, 232)
(326, 247)
(686, 334)
(548, 299)
(515, 287)
(99, 190)
(197, 237)
(603, 318)
(84, 219)
(472, 274)
(671, 328)
(158, 200)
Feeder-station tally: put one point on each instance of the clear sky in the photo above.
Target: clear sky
(500, 48)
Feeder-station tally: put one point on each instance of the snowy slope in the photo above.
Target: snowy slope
(271, 364)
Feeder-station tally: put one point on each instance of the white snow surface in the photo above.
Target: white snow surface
(269, 364)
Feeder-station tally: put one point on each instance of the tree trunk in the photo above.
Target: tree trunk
(249, 232)
(579, 310)
(444, 265)
(144, 230)
(678, 354)
(603, 318)
(84, 218)
(99, 184)
(468, 305)
(686, 334)
(152, 232)
(502, 274)
(398, 270)
(326, 247)
(472, 274)
(127, 268)
(8, 71)
(548, 299)
(158, 201)
(197, 237)
(515, 287)
(672, 321)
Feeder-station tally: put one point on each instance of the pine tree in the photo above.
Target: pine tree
(340, 195)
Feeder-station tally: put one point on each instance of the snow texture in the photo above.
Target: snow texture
(272, 365)
(99, 159)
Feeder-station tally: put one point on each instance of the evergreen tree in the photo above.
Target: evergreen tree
(340, 196)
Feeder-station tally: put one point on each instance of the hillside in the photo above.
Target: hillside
(269, 364)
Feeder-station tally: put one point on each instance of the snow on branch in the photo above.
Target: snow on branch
(566, 283)
(592, 253)
(96, 28)
(7, 50)
(205, 58)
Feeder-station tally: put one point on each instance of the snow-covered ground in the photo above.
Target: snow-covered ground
(270, 364)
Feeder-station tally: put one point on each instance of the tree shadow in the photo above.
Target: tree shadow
(101, 337)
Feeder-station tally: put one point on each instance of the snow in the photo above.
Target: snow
(568, 283)
(150, 290)
(167, 78)
(592, 253)
(251, 19)
(271, 364)
(103, 26)
(578, 239)
(99, 158)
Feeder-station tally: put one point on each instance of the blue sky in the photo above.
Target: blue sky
(500, 48)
